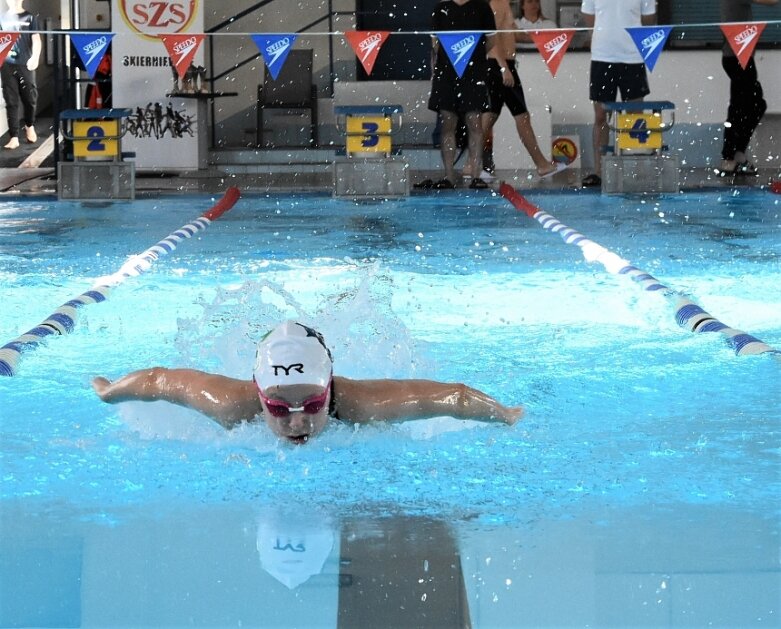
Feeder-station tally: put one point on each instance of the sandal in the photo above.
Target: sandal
(444, 184)
(478, 184)
(557, 168)
(426, 184)
(746, 169)
(591, 181)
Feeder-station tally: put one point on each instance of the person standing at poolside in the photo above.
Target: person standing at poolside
(616, 64)
(294, 391)
(531, 19)
(746, 102)
(452, 95)
(504, 88)
(18, 72)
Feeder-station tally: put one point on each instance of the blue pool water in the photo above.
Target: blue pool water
(642, 487)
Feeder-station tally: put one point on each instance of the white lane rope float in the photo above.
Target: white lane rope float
(63, 320)
(688, 314)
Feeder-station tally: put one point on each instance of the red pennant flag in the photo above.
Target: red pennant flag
(552, 46)
(743, 39)
(7, 41)
(366, 45)
(182, 49)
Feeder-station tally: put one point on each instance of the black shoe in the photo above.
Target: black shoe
(591, 181)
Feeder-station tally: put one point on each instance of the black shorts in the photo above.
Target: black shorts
(459, 95)
(499, 94)
(608, 78)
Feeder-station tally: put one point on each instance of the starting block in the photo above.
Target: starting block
(371, 166)
(95, 168)
(640, 161)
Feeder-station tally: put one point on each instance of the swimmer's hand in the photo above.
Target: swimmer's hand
(511, 415)
(102, 387)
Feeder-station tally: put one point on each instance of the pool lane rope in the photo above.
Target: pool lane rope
(63, 320)
(687, 313)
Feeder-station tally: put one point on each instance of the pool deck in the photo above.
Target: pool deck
(29, 171)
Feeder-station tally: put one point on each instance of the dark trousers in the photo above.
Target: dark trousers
(19, 87)
(746, 106)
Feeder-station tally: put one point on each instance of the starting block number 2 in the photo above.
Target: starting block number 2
(96, 138)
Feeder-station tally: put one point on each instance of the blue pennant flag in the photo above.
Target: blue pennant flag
(275, 49)
(459, 48)
(92, 47)
(650, 42)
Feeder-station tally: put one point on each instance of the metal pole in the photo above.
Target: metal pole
(331, 45)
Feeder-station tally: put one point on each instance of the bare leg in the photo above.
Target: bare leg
(475, 134)
(448, 143)
(488, 120)
(600, 135)
(523, 123)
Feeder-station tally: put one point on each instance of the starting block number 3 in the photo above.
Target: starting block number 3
(368, 134)
(96, 138)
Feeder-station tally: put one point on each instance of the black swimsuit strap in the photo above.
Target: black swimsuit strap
(332, 404)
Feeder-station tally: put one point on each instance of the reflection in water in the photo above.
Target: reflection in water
(294, 545)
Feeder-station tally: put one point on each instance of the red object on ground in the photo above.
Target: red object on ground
(775, 187)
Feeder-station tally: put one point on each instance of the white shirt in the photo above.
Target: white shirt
(528, 25)
(610, 42)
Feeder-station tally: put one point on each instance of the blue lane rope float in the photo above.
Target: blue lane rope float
(63, 320)
(687, 313)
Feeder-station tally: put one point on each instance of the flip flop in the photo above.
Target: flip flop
(426, 184)
(560, 166)
(444, 184)
(478, 184)
(591, 181)
(747, 169)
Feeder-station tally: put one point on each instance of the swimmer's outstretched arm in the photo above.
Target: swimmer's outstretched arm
(364, 401)
(226, 400)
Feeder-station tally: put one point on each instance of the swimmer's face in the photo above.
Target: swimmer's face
(296, 413)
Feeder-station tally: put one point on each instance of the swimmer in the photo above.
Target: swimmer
(294, 391)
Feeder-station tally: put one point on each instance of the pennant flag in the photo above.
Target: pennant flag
(743, 39)
(459, 48)
(275, 49)
(7, 41)
(182, 49)
(553, 45)
(366, 45)
(91, 48)
(650, 42)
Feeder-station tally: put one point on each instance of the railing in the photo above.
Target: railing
(216, 75)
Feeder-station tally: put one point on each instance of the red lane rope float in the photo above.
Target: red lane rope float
(63, 320)
(687, 314)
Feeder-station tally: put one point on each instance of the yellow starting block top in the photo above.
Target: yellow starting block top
(639, 125)
(368, 134)
(368, 129)
(97, 139)
(639, 131)
(96, 134)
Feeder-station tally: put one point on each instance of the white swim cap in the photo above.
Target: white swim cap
(292, 354)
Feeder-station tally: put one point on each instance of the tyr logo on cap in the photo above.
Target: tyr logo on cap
(297, 367)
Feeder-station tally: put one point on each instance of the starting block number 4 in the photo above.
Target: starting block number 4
(639, 131)
(368, 134)
(96, 138)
